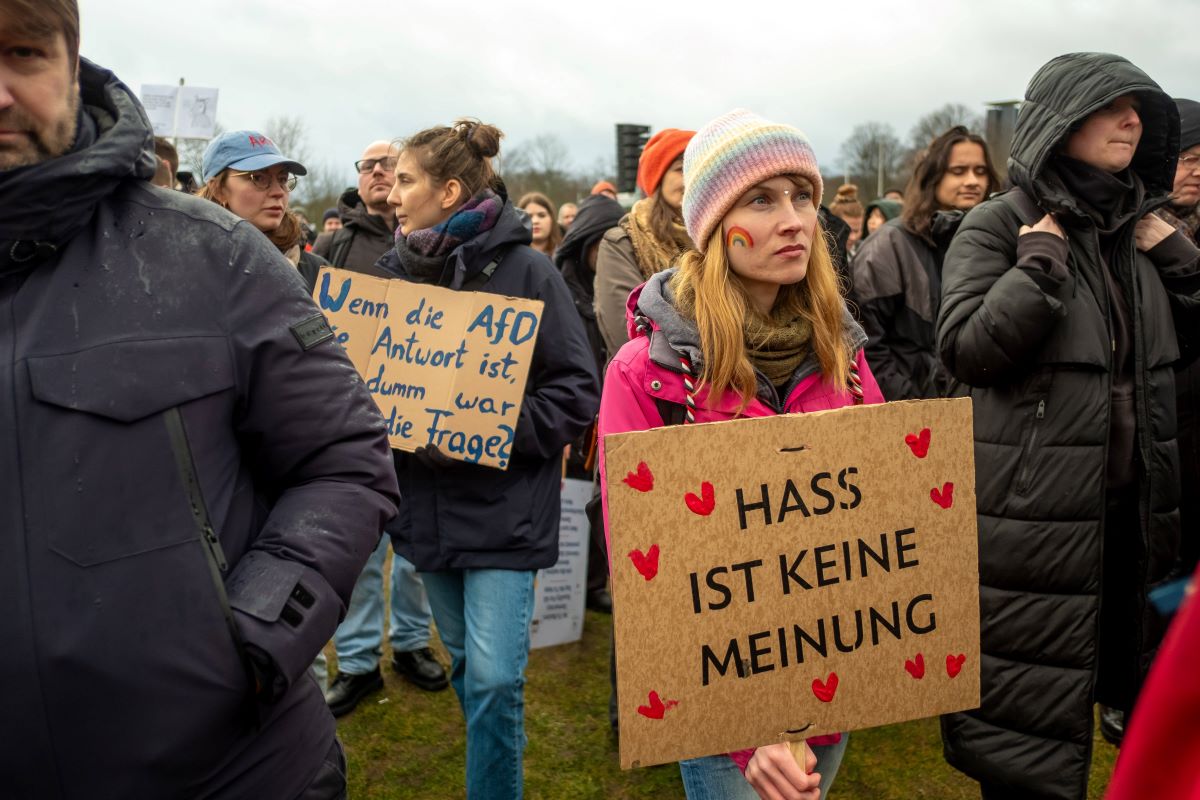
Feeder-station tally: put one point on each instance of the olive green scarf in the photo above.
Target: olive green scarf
(776, 347)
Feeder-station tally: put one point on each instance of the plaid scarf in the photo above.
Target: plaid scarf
(1186, 221)
(423, 252)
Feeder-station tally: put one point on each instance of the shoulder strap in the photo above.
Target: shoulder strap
(484, 275)
(671, 413)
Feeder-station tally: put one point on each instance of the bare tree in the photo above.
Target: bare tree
(290, 135)
(321, 188)
(541, 164)
(940, 120)
(873, 155)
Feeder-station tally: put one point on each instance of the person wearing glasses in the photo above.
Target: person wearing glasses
(366, 234)
(245, 173)
(368, 224)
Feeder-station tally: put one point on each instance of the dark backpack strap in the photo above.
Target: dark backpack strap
(484, 275)
(671, 413)
(339, 248)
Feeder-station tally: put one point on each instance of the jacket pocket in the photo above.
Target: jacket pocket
(1025, 470)
(105, 484)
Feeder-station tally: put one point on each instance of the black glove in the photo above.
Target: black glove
(433, 458)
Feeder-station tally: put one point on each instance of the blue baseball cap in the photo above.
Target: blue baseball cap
(244, 150)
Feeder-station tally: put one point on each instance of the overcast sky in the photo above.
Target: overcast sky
(358, 70)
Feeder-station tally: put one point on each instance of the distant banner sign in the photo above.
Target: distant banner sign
(447, 368)
(785, 577)
(558, 599)
(186, 112)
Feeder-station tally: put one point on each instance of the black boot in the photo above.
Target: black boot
(421, 669)
(1112, 725)
(346, 690)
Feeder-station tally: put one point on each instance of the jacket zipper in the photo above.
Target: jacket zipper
(1026, 476)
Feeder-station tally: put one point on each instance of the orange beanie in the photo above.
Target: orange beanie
(662, 149)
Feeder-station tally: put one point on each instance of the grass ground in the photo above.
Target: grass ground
(406, 743)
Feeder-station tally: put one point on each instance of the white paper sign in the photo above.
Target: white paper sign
(559, 591)
(187, 112)
(159, 102)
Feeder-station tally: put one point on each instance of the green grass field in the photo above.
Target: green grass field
(406, 743)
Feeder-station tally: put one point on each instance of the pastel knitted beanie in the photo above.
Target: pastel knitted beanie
(728, 156)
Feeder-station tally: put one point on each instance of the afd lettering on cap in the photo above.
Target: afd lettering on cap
(260, 141)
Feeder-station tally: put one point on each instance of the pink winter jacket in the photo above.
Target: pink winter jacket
(648, 366)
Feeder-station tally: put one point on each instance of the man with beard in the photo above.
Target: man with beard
(181, 516)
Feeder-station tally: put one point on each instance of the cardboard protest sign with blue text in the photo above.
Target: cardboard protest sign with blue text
(785, 577)
(447, 368)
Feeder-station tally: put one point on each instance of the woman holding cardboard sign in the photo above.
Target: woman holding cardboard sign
(477, 534)
(750, 323)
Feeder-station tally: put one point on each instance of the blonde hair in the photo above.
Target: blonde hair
(710, 293)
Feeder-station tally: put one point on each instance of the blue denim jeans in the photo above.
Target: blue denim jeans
(359, 639)
(718, 778)
(483, 618)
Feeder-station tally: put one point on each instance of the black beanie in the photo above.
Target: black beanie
(1189, 123)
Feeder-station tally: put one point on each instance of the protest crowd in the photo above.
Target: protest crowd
(181, 541)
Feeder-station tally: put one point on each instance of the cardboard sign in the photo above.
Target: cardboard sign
(446, 368)
(785, 577)
(558, 599)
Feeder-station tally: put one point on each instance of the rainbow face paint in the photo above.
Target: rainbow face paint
(738, 237)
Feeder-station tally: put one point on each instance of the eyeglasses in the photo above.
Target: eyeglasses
(368, 164)
(1189, 162)
(264, 180)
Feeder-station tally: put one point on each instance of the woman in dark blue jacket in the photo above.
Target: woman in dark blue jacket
(478, 534)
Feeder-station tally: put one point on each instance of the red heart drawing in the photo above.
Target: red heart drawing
(954, 664)
(643, 481)
(702, 505)
(915, 667)
(825, 691)
(918, 443)
(657, 707)
(944, 498)
(645, 563)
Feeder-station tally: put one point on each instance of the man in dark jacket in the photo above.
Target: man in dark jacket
(183, 517)
(1062, 302)
(366, 234)
(897, 271)
(368, 222)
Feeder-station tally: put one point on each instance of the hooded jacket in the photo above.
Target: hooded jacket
(361, 241)
(469, 516)
(897, 284)
(1035, 342)
(597, 215)
(173, 483)
(890, 209)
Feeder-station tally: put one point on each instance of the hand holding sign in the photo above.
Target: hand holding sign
(804, 585)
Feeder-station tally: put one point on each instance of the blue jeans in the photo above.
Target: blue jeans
(483, 618)
(359, 639)
(718, 778)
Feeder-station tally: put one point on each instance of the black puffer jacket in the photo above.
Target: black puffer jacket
(161, 321)
(468, 516)
(1036, 348)
(897, 280)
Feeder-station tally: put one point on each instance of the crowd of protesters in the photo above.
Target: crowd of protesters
(181, 541)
